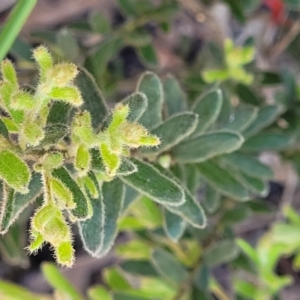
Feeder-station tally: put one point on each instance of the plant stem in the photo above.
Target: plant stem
(14, 24)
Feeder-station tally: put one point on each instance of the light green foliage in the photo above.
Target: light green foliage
(235, 58)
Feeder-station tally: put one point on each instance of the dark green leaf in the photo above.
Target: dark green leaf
(127, 167)
(268, 142)
(14, 205)
(193, 179)
(151, 86)
(191, 211)
(236, 214)
(139, 267)
(168, 266)
(185, 124)
(246, 95)
(175, 98)
(220, 253)
(207, 146)
(59, 112)
(248, 165)
(236, 10)
(208, 107)
(148, 54)
(137, 105)
(93, 99)
(241, 119)
(152, 183)
(91, 230)
(3, 129)
(223, 181)
(266, 116)
(212, 199)
(130, 196)
(293, 4)
(113, 196)
(174, 225)
(201, 278)
(81, 211)
(53, 133)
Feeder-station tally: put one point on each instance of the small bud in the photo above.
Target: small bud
(111, 160)
(64, 254)
(119, 115)
(36, 243)
(62, 74)
(69, 94)
(83, 160)
(43, 59)
(150, 140)
(9, 73)
(62, 194)
(165, 161)
(42, 216)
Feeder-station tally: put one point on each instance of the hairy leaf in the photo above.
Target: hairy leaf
(151, 86)
(206, 146)
(138, 104)
(150, 182)
(53, 134)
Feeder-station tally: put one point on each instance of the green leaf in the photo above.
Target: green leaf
(193, 179)
(151, 86)
(126, 168)
(98, 292)
(99, 23)
(115, 279)
(10, 291)
(12, 207)
(58, 113)
(168, 266)
(201, 278)
(185, 124)
(223, 181)
(212, 199)
(241, 119)
(91, 230)
(268, 142)
(53, 134)
(137, 103)
(12, 247)
(220, 253)
(3, 129)
(152, 183)
(130, 196)
(134, 7)
(246, 95)
(59, 282)
(174, 225)
(248, 165)
(68, 45)
(247, 248)
(175, 98)
(125, 296)
(113, 196)
(82, 210)
(191, 211)
(266, 116)
(148, 54)
(92, 96)
(206, 146)
(208, 107)
(139, 268)
(14, 171)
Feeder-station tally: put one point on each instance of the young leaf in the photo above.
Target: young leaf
(113, 196)
(208, 107)
(191, 211)
(152, 183)
(81, 211)
(241, 119)
(266, 116)
(212, 199)
(13, 206)
(168, 266)
(185, 124)
(175, 98)
(138, 104)
(248, 165)
(174, 225)
(59, 282)
(151, 86)
(206, 146)
(266, 141)
(220, 253)
(93, 99)
(222, 180)
(91, 230)
(14, 171)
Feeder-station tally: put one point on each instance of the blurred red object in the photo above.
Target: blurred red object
(277, 8)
